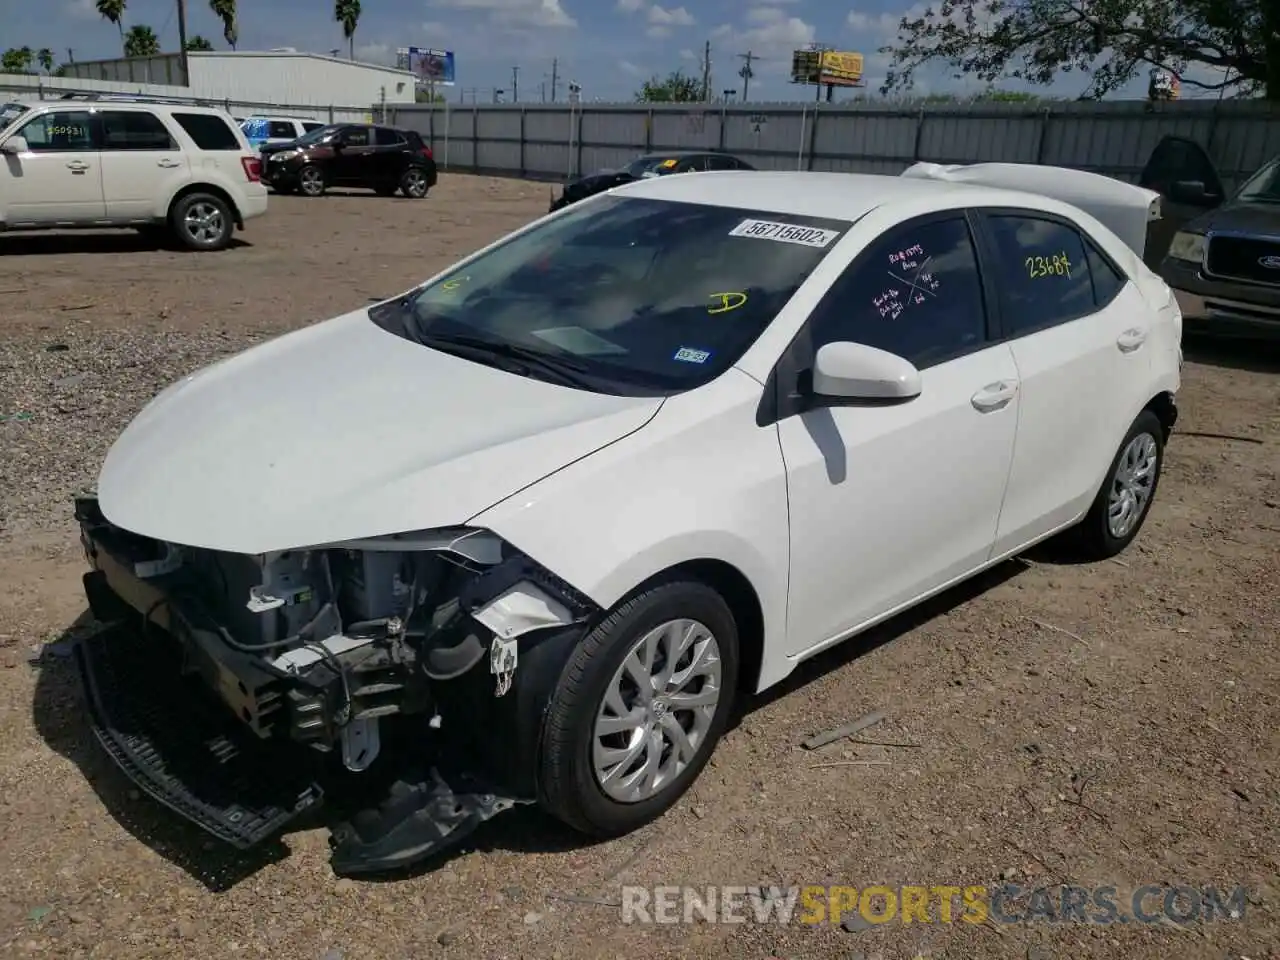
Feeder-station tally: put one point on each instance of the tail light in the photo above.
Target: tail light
(252, 168)
(426, 152)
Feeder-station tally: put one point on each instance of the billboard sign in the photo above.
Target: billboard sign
(433, 68)
(836, 67)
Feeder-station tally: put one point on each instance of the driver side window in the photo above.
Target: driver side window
(60, 131)
(915, 292)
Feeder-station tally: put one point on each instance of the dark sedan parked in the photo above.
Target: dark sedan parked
(382, 159)
(650, 165)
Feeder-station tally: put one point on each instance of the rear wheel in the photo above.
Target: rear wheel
(639, 709)
(1122, 505)
(413, 183)
(202, 221)
(311, 180)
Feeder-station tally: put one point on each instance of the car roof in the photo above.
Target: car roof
(663, 154)
(844, 196)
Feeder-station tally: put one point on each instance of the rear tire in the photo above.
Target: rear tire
(413, 183)
(311, 182)
(608, 726)
(202, 221)
(1124, 501)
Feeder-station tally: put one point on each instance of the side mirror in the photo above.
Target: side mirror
(854, 371)
(1192, 193)
(15, 145)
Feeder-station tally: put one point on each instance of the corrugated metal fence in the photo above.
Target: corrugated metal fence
(1114, 138)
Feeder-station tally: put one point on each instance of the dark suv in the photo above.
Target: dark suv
(383, 159)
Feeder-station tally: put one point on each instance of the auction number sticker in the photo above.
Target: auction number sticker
(784, 233)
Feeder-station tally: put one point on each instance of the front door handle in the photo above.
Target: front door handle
(994, 396)
(1131, 340)
(77, 165)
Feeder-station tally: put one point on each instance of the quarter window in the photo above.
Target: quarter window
(208, 131)
(1042, 271)
(59, 131)
(1107, 281)
(915, 292)
(134, 130)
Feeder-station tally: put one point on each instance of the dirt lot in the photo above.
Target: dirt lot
(1113, 724)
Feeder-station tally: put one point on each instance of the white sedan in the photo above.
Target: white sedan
(525, 533)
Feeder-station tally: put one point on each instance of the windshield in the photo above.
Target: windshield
(10, 112)
(1263, 186)
(319, 134)
(651, 166)
(635, 295)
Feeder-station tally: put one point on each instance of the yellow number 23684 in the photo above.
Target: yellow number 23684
(1054, 265)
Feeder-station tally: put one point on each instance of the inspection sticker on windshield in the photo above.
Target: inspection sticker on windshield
(689, 355)
(784, 233)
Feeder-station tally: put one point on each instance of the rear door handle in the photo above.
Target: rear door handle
(77, 165)
(994, 396)
(168, 164)
(1131, 340)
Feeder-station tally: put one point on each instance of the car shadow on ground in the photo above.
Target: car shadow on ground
(61, 719)
(1254, 356)
(20, 243)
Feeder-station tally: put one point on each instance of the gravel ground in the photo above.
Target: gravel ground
(1112, 724)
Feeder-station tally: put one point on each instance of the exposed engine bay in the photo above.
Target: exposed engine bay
(320, 649)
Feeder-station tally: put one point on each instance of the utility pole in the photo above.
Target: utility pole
(543, 87)
(515, 84)
(706, 71)
(746, 73)
(182, 41)
(71, 55)
(555, 75)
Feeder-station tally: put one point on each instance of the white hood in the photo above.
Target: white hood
(339, 431)
(1124, 209)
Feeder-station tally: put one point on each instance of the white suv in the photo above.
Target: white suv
(260, 130)
(153, 166)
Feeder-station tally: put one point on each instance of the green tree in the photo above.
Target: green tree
(199, 43)
(17, 60)
(678, 87)
(113, 12)
(347, 13)
(1109, 41)
(225, 10)
(45, 59)
(426, 96)
(141, 41)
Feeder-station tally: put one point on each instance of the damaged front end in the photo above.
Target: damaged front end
(230, 678)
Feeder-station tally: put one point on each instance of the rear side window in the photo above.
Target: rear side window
(308, 126)
(209, 131)
(281, 129)
(1042, 272)
(386, 137)
(356, 136)
(134, 130)
(915, 292)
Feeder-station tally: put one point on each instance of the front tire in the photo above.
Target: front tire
(639, 709)
(311, 181)
(202, 221)
(1122, 505)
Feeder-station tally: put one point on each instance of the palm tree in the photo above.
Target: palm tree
(141, 41)
(113, 11)
(225, 10)
(199, 43)
(45, 59)
(347, 13)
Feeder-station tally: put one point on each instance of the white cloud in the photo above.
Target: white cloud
(630, 69)
(630, 6)
(774, 36)
(381, 53)
(515, 13)
(676, 17)
(83, 10)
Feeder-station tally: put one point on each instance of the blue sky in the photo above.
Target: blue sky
(608, 46)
